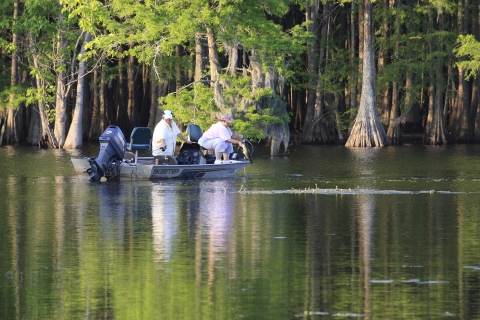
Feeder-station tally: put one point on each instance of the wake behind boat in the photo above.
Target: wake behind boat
(116, 159)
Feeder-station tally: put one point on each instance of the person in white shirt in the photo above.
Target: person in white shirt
(220, 138)
(165, 136)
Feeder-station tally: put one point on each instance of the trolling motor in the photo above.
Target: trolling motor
(112, 150)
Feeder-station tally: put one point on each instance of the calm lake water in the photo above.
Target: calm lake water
(320, 232)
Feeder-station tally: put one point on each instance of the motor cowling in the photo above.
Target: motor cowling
(112, 151)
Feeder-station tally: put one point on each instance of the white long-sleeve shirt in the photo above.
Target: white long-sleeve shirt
(164, 131)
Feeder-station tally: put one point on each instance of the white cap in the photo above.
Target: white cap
(167, 114)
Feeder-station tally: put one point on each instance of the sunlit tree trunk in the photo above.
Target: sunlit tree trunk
(62, 90)
(367, 130)
(75, 134)
(215, 70)
(8, 132)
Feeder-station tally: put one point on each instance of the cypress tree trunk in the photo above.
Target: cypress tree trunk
(385, 104)
(62, 89)
(394, 131)
(412, 109)
(159, 89)
(361, 42)
(178, 69)
(353, 70)
(95, 128)
(435, 126)
(201, 56)
(311, 14)
(35, 127)
(75, 134)
(215, 70)
(476, 82)
(8, 132)
(145, 92)
(367, 130)
(40, 133)
(323, 122)
(132, 111)
(462, 126)
(278, 133)
(121, 96)
(106, 97)
(102, 102)
(475, 111)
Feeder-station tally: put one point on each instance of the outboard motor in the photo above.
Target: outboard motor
(112, 150)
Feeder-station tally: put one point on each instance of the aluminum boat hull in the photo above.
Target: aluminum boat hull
(144, 169)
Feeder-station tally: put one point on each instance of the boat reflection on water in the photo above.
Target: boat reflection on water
(216, 216)
(208, 215)
(164, 222)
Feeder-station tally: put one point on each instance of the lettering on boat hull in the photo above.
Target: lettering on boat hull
(165, 171)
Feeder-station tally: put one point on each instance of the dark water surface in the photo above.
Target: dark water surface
(317, 233)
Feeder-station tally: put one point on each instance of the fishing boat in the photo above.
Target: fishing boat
(119, 160)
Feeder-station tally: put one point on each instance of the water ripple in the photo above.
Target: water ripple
(349, 191)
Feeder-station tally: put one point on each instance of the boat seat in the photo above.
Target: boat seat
(140, 139)
(194, 133)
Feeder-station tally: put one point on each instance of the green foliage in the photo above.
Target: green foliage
(13, 96)
(151, 31)
(34, 96)
(468, 50)
(252, 124)
(191, 105)
(195, 104)
(347, 118)
(296, 75)
(335, 70)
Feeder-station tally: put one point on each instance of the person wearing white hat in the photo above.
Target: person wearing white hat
(220, 138)
(165, 136)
